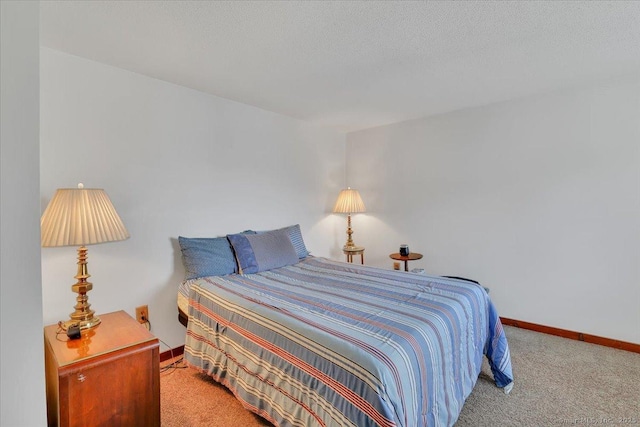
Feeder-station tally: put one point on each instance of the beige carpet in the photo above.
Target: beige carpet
(557, 382)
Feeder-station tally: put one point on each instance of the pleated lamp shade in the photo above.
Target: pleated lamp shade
(80, 216)
(349, 201)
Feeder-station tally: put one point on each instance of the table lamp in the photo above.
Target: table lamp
(78, 217)
(349, 202)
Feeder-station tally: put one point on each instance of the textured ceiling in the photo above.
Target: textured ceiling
(354, 65)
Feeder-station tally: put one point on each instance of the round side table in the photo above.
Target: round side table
(354, 250)
(411, 257)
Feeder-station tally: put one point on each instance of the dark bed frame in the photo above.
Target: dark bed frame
(182, 317)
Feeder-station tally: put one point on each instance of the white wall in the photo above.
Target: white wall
(174, 162)
(538, 199)
(21, 339)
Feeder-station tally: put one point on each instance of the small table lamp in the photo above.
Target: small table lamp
(81, 216)
(349, 201)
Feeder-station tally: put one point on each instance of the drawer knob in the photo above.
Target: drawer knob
(81, 378)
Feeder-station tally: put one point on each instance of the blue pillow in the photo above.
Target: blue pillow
(295, 235)
(207, 257)
(263, 251)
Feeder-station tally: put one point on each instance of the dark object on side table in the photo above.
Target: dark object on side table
(73, 332)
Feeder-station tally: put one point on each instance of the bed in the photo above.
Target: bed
(318, 342)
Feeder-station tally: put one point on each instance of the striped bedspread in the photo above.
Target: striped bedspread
(325, 343)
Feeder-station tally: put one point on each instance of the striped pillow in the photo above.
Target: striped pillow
(295, 235)
(263, 251)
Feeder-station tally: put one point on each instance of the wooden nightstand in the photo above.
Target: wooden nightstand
(411, 257)
(108, 377)
(354, 250)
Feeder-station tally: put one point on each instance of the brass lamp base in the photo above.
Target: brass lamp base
(83, 316)
(349, 243)
(83, 324)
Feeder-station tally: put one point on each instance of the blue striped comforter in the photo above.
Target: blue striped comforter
(325, 343)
